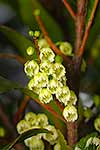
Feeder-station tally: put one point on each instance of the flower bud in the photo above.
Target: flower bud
(66, 48)
(30, 50)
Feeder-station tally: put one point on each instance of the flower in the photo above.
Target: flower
(57, 146)
(40, 80)
(63, 94)
(47, 54)
(43, 43)
(31, 118)
(31, 68)
(70, 113)
(42, 120)
(97, 124)
(73, 98)
(53, 85)
(93, 140)
(45, 67)
(30, 50)
(66, 48)
(23, 126)
(34, 143)
(58, 71)
(51, 137)
(45, 96)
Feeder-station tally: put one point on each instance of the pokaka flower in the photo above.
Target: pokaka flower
(58, 71)
(53, 85)
(66, 48)
(70, 113)
(31, 68)
(57, 146)
(47, 54)
(45, 96)
(31, 118)
(51, 137)
(97, 124)
(45, 67)
(43, 43)
(42, 120)
(40, 80)
(63, 94)
(22, 126)
(73, 98)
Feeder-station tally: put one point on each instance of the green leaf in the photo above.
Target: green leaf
(62, 141)
(24, 136)
(18, 40)
(26, 10)
(6, 85)
(82, 143)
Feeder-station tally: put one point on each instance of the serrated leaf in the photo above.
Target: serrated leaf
(26, 10)
(6, 85)
(24, 136)
(18, 40)
(62, 141)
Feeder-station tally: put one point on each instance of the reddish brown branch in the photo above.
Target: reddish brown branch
(35, 40)
(50, 42)
(18, 58)
(86, 33)
(70, 10)
(21, 109)
(59, 105)
(80, 23)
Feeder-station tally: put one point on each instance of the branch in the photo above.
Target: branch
(70, 10)
(21, 109)
(59, 105)
(18, 58)
(35, 40)
(50, 42)
(86, 33)
(80, 23)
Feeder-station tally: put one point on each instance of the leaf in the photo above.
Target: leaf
(62, 141)
(82, 143)
(26, 10)
(6, 85)
(18, 40)
(24, 136)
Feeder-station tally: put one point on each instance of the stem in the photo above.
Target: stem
(18, 58)
(82, 48)
(35, 40)
(80, 22)
(70, 10)
(50, 42)
(21, 109)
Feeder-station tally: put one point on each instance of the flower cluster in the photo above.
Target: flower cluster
(33, 121)
(48, 80)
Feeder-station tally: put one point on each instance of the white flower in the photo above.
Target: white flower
(31, 118)
(34, 143)
(43, 43)
(53, 85)
(58, 71)
(45, 96)
(97, 124)
(63, 94)
(77, 148)
(42, 120)
(45, 67)
(70, 113)
(66, 48)
(73, 98)
(47, 54)
(96, 141)
(51, 137)
(63, 80)
(98, 148)
(23, 126)
(31, 68)
(40, 80)
(57, 146)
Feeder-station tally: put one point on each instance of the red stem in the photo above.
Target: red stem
(70, 10)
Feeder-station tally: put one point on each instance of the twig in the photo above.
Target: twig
(50, 42)
(18, 58)
(21, 109)
(80, 23)
(35, 40)
(70, 10)
(59, 105)
(86, 33)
